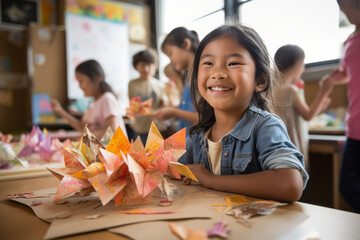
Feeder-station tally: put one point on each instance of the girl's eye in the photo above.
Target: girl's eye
(234, 63)
(207, 63)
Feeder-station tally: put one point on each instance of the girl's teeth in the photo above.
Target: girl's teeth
(219, 89)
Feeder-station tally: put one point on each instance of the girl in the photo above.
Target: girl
(292, 107)
(350, 74)
(105, 110)
(237, 145)
(180, 46)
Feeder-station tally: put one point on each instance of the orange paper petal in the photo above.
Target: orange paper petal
(118, 143)
(92, 170)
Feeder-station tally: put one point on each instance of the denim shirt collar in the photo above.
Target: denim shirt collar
(244, 128)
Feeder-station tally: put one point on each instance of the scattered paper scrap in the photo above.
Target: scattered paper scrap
(249, 210)
(185, 233)
(219, 230)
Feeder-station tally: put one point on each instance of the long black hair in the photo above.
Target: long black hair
(93, 70)
(177, 38)
(253, 43)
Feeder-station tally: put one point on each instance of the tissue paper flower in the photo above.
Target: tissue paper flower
(124, 171)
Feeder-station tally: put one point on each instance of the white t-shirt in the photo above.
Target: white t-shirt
(102, 108)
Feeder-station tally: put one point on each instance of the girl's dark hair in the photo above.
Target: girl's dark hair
(177, 38)
(253, 43)
(287, 56)
(93, 69)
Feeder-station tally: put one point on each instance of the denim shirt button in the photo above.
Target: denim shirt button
(226, 154)
(201, 142)
(225, 139)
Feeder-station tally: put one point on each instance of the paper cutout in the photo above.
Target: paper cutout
(124, 171)
(138, 108)
(249, 210)
(219, 230)
(185, 233)
(183, 170)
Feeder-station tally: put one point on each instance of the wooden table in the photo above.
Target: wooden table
(330, 144)
(17, 221)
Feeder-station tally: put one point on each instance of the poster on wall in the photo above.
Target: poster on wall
(104, 41)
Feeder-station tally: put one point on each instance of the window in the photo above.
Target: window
(192, 14)
(312, 25)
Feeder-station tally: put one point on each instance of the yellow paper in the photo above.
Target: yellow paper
(183, 170)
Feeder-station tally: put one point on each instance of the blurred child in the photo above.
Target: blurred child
(146, 87)
(180, 45)
(350, 74)
(237, 145)
(174, 86)
(104, 112)
(292, 107)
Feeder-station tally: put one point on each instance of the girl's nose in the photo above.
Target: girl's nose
(219, 75)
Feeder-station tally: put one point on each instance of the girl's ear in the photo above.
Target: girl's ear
(187, 43)
(261, 84)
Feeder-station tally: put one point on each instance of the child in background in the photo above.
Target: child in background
(292, 107)
(238, 146)
(174, 86)
(180, 45)
(145, 87)
(350, 74)
(104, 112)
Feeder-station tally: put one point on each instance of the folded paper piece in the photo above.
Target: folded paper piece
(137, 107)
(183, 170)
(124, 171)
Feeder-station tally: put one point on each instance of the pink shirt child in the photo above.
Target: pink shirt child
(351, 65)
(104, 107)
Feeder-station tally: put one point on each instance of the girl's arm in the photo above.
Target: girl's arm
(58, 109)
(284, 184)
(320, 103)
(172, 112)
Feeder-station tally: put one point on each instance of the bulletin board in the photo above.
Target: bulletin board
(102, 40)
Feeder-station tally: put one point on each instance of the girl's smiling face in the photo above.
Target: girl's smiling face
(226, 75)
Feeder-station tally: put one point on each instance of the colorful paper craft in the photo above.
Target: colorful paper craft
(124, 171)
(138, 108)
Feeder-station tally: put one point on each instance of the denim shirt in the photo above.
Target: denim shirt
(258, 142)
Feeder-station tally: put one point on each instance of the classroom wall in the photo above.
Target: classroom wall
(15, 114)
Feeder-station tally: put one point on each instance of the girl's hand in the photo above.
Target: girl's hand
(163, 113)
(201, 173)
(325, 103)
(186, 181)
(326, 84)
(56, 106)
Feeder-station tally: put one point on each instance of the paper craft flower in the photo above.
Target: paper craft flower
(124, 171)
(138, 108)
(39, 142)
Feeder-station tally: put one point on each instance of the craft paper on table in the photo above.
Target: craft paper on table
(79, 214)
(137, 107)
